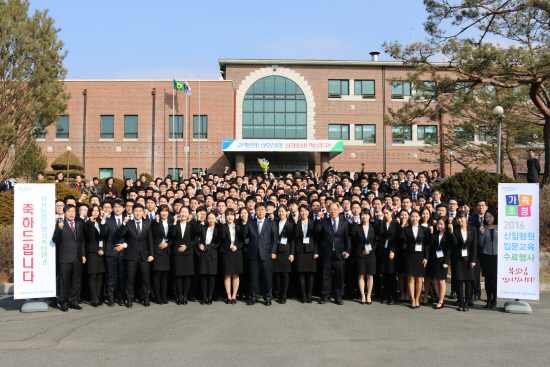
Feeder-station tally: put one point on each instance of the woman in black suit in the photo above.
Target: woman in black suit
(207, 251)
(401, 248)
(231, 247)
(364, 246)
(244, 282)
(416, 256)
(285, 253)
(306, 253)
(161, 248)
(426, 222)
(388, 243)
(184, 239)
(488, 242)
(463, 258)
(440, 256)
(95, 233)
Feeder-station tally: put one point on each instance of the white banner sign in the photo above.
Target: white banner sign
(34, 251)
(518, 241)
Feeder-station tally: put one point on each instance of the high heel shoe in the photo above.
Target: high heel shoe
(209, 301)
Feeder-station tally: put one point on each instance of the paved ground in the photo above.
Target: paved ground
(281, 335)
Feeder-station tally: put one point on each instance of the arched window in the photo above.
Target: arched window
(274, 107)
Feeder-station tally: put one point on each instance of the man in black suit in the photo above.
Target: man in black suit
(533, 168)
(334, 249)
(138, 254)
(261, 250)
(70, 249)
(114, 256)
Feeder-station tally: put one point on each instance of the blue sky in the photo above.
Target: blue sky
(158, 39)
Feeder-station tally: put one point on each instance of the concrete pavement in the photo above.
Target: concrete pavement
(281, 335)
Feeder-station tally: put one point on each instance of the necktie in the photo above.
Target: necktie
(118, 222)
(138, 229)
(72, 226)
(414, 196)
(260, 226)
(334, 226)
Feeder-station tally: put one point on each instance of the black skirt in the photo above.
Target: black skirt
(365, 265)
(95, 263)
(414, 265)
(489, 265)
(161, 262)
(305, 263)
(183, 266)
(232, 263)
(461, 269)
(436, 269)
(207, 264)
(282, 264)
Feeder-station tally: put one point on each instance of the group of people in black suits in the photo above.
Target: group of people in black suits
(292, 236)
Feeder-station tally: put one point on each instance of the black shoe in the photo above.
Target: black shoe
(475, 297)
(251, 302)
(158, 302)
(308, 300)
(184, 302)
(94, 304)
(165, 301)
(111, 303)
(203, 303)
(268, 303)
(282, 301)
(192, 299)
(465, 309)
(452, 295)
(322, 301)
(76, 306)
(471, 303)
(129, 304)
(391, 302)
(369, 303)
(303, 300)
(208, 301)
(339, 302)
(494, 304)
(63, 307)
(53, 303)
(363, 302)
(146, 303)
(121, 302)
(233, 301)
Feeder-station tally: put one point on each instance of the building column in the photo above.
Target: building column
(325, 162)
(239, 164)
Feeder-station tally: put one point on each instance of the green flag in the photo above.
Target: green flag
(178, 85)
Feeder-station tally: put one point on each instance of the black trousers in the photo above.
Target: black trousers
(261, 269)
(491, 289)
(281, 282)
(390, 286)
(333, 264)
(476, 284)
(132, 267)
(94, 282)
(115, 277)
(70, 281)
(160, 285)
(463, 299)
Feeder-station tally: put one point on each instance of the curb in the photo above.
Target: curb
(7, 288)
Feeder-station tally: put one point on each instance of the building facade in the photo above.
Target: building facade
(297, 114)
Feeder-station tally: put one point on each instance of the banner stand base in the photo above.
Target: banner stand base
(35, 305)
(517, 306)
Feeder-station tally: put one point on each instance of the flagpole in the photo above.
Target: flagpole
(173, 131)
(186, 132)
(199, 126)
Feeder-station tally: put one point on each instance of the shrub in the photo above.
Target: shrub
(544, 220)
(6, 208)
(60, 163)
(472, 184)
(147, 175)
(6, 253)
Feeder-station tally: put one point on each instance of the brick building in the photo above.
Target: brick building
(296, 113)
